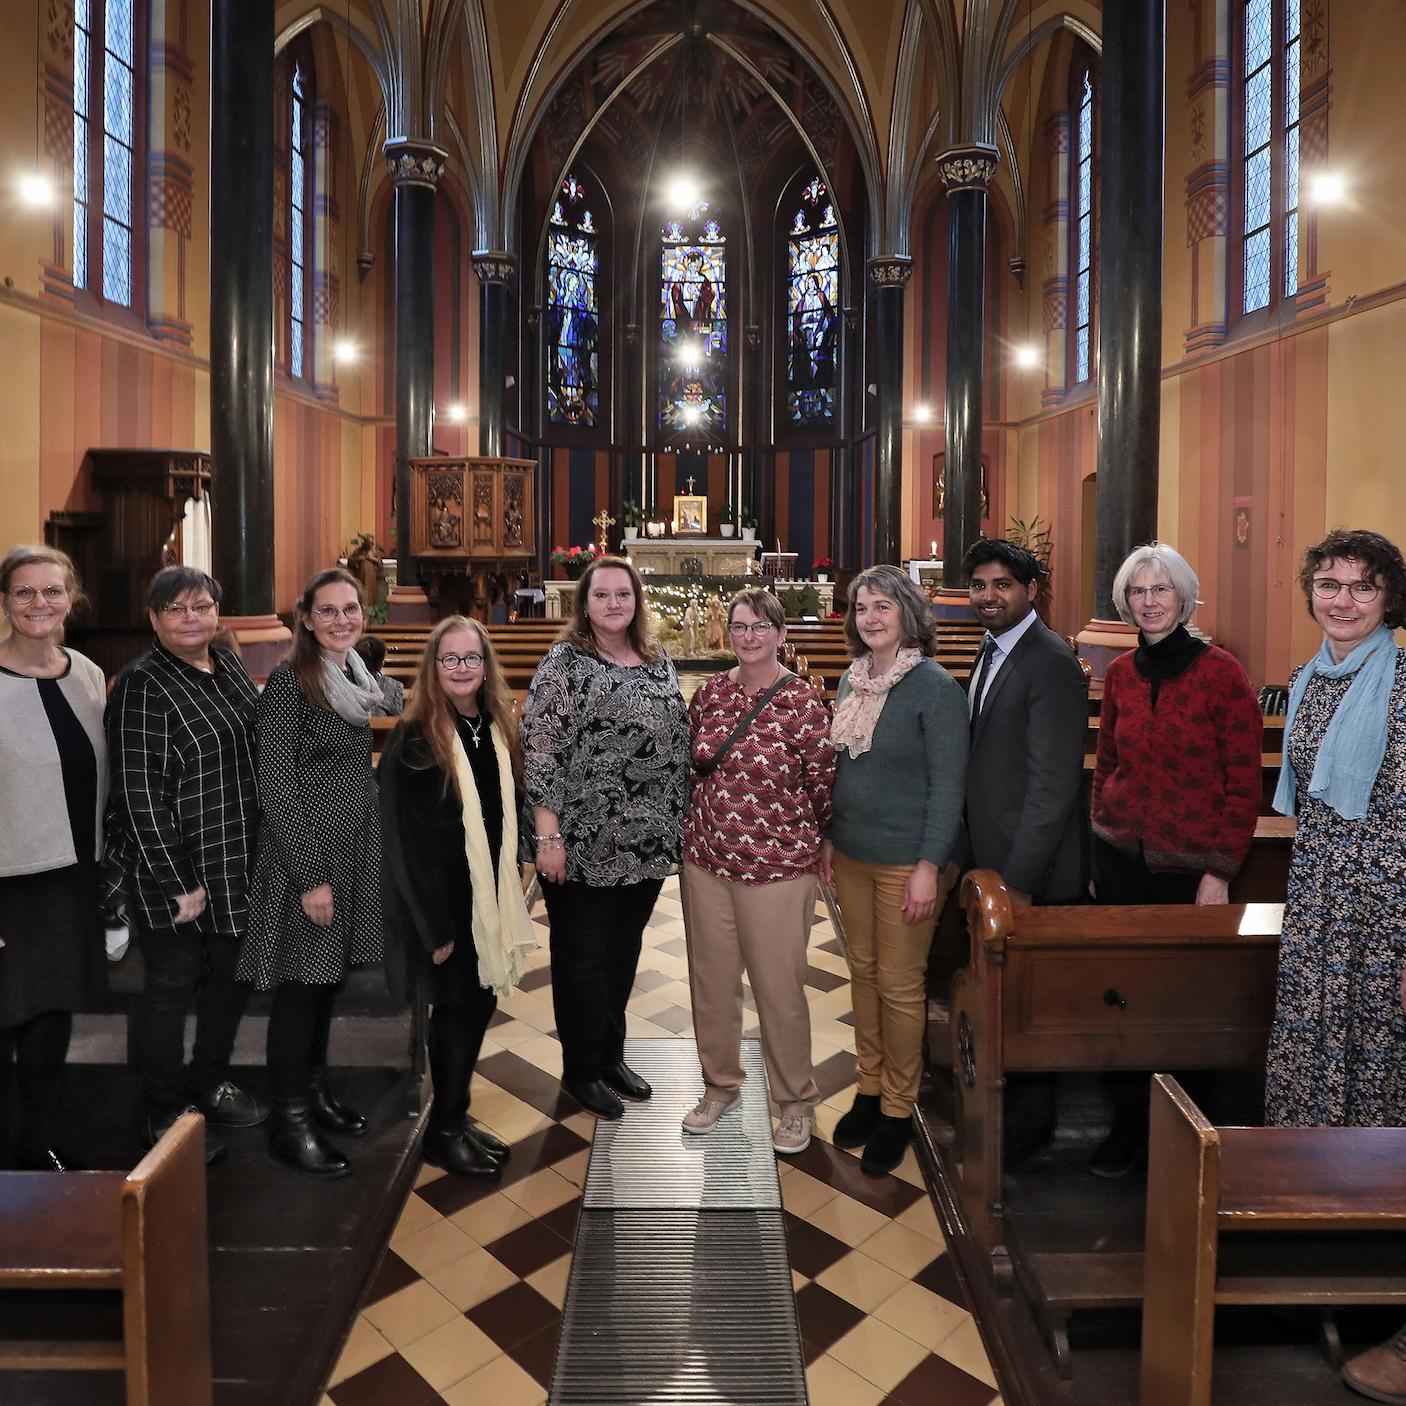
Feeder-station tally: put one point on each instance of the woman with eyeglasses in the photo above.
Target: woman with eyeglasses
(53, 776)
(1176, 787)
(316, 890)
(457, 925)
(605, 747)
(763, 768)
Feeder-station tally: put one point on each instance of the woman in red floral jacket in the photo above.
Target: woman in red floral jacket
(1177, 782)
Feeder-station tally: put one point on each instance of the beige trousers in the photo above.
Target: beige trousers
(763, 928)
(888, 961)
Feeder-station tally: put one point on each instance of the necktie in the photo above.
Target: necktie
(978, 683)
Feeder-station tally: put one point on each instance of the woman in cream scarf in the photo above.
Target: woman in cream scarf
(457, 930)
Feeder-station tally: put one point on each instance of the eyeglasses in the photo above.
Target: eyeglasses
(328, 613)
(1158, 592)
(1326, 588)
(760, 629)
(176, 609)
(450, 662)
(52, 594)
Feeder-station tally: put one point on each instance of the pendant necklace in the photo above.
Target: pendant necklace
(475, 728)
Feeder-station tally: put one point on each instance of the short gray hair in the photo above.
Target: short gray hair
(1171, 564)
(915, 623)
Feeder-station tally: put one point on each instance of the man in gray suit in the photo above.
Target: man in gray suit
(1029, 706)
(1025, 816)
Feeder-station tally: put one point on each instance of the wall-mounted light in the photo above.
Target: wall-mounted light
(922, 414)
(35, 190)
(692, 414)
(1327, 188)
(1026, 356)
(682, 191)
(456, 414)
(345, 352)
(689, 354)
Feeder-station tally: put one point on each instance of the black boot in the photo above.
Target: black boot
(857, 1126)
(293, 1139)
(886, 1145)
(492, 1146)
(625, 1081)
(328, 1113)
(452, 1149)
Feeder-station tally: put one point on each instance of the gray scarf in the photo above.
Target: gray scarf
(353, 699)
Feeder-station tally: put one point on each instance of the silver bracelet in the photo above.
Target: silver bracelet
(552, 839)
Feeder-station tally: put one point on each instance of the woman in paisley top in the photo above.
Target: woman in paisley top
(1337, 1049)
(605, 743)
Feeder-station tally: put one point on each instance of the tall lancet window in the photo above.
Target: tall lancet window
(812, 307)
(1081, 224)
(104, 146)
(573, 312)
(299, 228)
(693, 357)
(1269, 187)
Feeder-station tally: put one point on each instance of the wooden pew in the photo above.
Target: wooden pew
(1204, 1181)
(1082, 987)
(143, 1234)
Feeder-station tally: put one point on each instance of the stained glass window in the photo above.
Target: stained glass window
(693, 326)
(297, 221)
(82, 78)
(119, 106)
(1082, 225)
(812, 308)
(1270, 182)
(573, 313)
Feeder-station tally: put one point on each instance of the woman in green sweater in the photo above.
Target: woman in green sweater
(900, 730)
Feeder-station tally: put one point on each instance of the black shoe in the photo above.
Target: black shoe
(886, 1145)
(595, 1098)
(331, 1114)
(46, 1160)
(293, 1139)
(457, 1153)
(228, 1106)
(1119, 1153)
(624, 1080)
(157, 1126)
(857, 1126)
(492, 1146)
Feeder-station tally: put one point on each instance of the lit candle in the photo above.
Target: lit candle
(934, 549)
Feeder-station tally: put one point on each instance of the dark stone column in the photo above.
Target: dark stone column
(494, 268)
(1130, 287)
(966, 172)
(415, 167)
(758, 485)
(890, 274)
(241, 302)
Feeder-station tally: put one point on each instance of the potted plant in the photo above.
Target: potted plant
(633, 516)
(749, 527)
(573, 560)
(726, 518)
(1034, 536)
(821, 568)
(654, 525)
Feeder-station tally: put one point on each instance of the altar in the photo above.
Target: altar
(693, 556)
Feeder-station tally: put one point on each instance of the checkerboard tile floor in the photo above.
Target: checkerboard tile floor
(467, 1305)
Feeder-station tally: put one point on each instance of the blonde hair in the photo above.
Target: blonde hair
(32, 554)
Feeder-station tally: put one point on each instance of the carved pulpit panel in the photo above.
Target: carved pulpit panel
(471, 512)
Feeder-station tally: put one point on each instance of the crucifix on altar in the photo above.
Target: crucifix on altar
(603, 520)
(690, 512)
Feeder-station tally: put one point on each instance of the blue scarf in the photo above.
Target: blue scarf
(1354, 744)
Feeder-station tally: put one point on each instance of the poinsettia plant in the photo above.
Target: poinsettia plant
(574, 556)
(822, 564)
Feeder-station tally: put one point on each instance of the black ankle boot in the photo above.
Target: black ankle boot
(451, 1149)
(493, 1147)
(625, 1081)
(857, 1126)
(293, 1139)
(886, 1145)
(328, 1112)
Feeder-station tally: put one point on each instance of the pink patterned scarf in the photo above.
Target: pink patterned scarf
(855, 718)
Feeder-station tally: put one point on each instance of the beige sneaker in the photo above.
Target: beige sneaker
(703, 1117)
(792, 1134)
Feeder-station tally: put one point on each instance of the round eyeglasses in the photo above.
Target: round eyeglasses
(450, 662)
(52, 594)
(1326, 588)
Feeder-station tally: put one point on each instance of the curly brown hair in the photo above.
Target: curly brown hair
(1380, 557)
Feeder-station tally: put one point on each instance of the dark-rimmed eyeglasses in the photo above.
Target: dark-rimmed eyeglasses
(175, 609)
(760, 629)
(1327, 588)
(450, 662)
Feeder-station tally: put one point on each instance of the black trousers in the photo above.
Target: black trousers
(183, 965)
(40, 1047)
(595, 943)
(300, 1026)
(456, 1037)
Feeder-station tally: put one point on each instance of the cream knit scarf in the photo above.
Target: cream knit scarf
(855, 719)
(503, 933)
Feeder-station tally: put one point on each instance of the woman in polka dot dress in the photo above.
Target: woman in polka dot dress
(315, 897)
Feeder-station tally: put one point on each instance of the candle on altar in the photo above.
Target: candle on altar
(934, 549)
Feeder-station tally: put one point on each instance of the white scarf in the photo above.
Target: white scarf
(352, 699)
(855, 719)
(503, 934)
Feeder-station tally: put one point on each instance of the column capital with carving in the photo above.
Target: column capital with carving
(493, 265)
(890, 270)
(414, 161)
(968, 167)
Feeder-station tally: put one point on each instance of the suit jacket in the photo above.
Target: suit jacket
(1025, 816)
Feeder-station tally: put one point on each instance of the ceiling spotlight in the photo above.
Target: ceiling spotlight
(456, 413)
(922, 414)
(689, 354)
(682, 192)
(1027, 355)
(345, 352)
(692, 414)
(1327, 188)
(36, 190)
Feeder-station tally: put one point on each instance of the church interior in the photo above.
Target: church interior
(744, 288)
